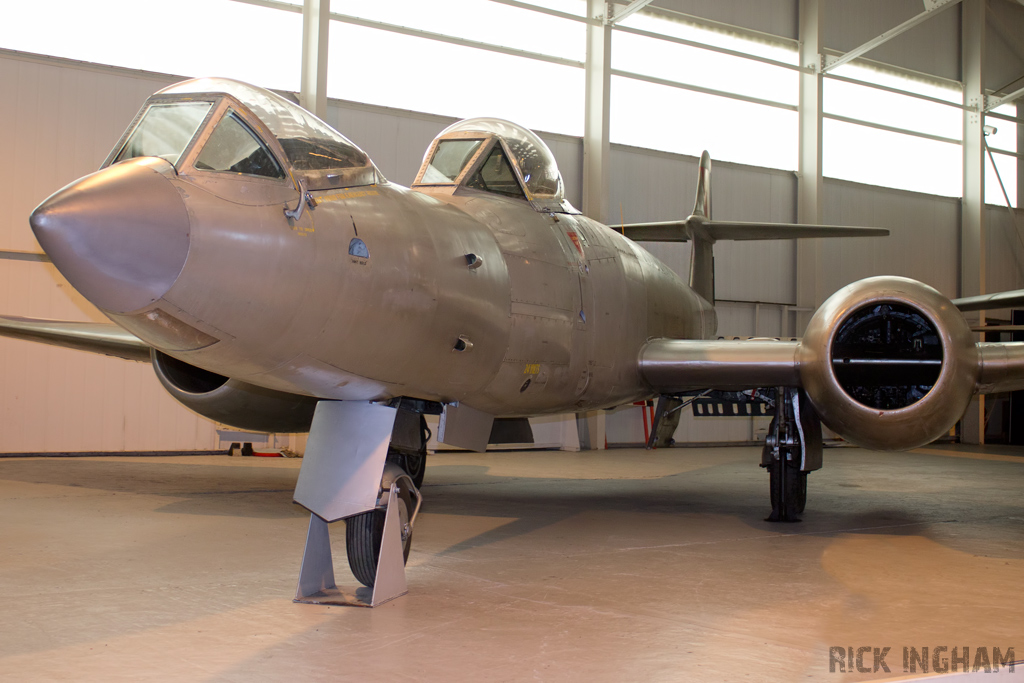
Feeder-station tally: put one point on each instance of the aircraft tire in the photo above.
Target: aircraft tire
(363, 535)
(796, 485)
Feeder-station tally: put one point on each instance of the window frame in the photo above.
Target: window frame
(478, 163)
(225, 104)
(206, 135)
(473, 165)
(157, 100)
(459, 135)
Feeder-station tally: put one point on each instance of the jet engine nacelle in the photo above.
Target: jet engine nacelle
(889, 363)
(232, 402)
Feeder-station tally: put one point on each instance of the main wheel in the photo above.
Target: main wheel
(364, 533)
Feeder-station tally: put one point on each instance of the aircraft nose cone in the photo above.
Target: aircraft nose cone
(120, 236)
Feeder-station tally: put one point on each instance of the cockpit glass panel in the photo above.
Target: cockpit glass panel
(529, 154)
(232, 147)
(320, 154)
(450, 157)
(496, 175)
(165, 130)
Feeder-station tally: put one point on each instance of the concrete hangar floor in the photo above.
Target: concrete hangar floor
(620, 565)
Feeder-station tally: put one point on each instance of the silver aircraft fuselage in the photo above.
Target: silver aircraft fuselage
(233, 231)
(549, 317)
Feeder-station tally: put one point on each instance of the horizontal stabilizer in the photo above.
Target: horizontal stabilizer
(105, 338)
(681, 231)
(1011, 299)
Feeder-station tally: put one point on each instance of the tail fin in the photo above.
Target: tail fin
(702, 257)
(702, 207)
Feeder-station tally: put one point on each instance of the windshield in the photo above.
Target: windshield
(165, 130)
(450, 157)
(321, 155)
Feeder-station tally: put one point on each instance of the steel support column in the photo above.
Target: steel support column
(809, 186)
(1020, 148)
(596, 146)
(972, 214)
(316, 18)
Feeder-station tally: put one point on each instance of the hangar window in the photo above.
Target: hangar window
(496, 175)
(165, 130)
(234, 148)
(450, 157)
(682, 87)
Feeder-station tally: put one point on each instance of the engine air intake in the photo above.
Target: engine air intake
(887, 356)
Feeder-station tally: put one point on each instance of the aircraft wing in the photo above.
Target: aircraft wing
(681, 231)
(675, 365)
(108, 339)
(1011, 299)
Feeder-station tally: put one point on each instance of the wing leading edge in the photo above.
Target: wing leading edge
(682, 231)
(672, 366)
(107, 339)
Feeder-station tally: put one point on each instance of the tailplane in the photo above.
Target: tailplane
(703, 231)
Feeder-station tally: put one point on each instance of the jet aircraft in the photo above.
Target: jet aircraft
(478, 293)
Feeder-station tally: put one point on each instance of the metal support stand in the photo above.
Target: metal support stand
(316, 577)
(340, 477)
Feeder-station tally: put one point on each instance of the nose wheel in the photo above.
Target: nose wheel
(364, 533)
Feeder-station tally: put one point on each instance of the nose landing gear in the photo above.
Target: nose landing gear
(346, 475)
(792, 448)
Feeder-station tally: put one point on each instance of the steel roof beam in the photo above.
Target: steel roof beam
(933, 8)
(991, 103)
(628, 11)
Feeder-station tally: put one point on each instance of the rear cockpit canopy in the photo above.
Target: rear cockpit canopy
(219, 124)
(495, 156)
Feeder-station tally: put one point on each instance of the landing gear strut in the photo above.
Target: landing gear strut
(410, 452)
(792, 448)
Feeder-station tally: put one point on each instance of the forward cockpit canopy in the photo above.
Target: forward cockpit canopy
(496, 156)
(243, 129)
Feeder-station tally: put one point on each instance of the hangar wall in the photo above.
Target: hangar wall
(58, 121)
(59, 118)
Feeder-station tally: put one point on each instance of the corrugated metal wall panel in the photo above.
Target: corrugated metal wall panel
(58, 121)
(1004, 254)
(924, 243)
(63, 400)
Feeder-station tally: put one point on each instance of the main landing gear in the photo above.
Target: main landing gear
(791, 450)
(353, 470)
